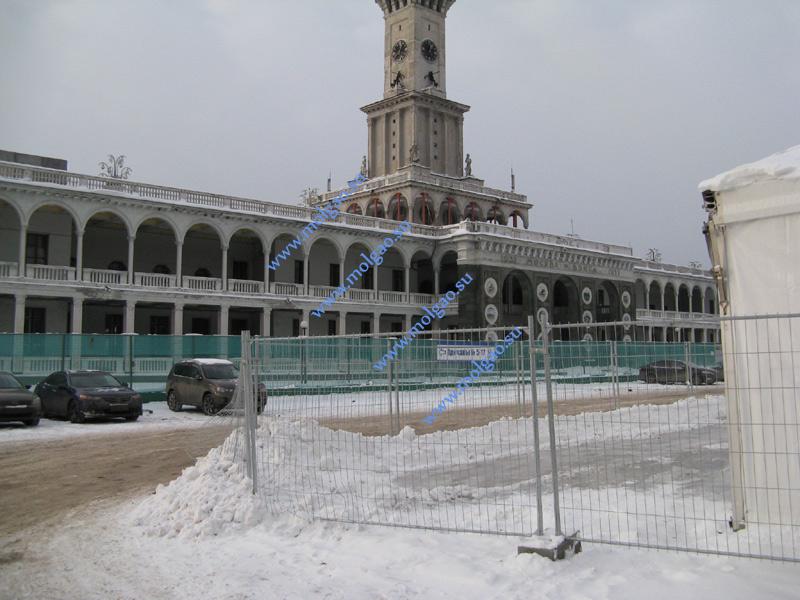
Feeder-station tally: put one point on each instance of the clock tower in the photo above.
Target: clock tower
(415, 124)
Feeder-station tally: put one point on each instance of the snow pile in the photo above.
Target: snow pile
(781, 165)
(207, 499)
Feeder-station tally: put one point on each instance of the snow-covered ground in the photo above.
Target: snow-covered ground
(206, 536)
(155, 415)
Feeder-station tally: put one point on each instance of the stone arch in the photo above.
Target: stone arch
(448, 213)
(448, 272)
(495, 215)
(421, 277)
(105, 242)
(57, 226)
(154, 250)
(607, 300)
(697, 300)
(202, 250)
(566, 305)
(246, 255)
(354, 208)
(391, 271)
(656, 296)
(324, 262)
(53, 203)
(375, 209)
(285, 261)
(397, 208)
(10, 228)
(516, 295)
(353, 262)
(710, 304)
(514, 217)
(684, 298)
(670, 301)
(640, 293)
(426, 216)
(473, 212)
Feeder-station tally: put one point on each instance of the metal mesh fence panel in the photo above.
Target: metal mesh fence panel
(682, 459)
(351, 433)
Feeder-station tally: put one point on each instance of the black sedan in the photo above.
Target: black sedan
(676, 371)
(16, 402)
(82, 394)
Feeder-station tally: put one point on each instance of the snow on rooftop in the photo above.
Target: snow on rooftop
(781, 165)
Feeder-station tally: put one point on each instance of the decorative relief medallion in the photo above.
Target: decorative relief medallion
(491, 336)
(587, 316)
(490, 287)
(542, 316)
(626, 299)
(490, 312)
(627, 321)
(588, 338)
(586, 295)
(542, 292)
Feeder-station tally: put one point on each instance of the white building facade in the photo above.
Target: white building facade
(89, 254)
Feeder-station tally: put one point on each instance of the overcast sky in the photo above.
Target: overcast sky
(611, 111)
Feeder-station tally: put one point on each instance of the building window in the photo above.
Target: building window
(201, 325)
(202, 272)
(396, 327)
(365, 328)
(238, 326)
(239, 270)
(159, 325)
(398, 280)
(35, 319)
(295, 327)
(367, 280)
(333, 275)
(298, 271)
(36, 248)
(113, 323)
(331, 327)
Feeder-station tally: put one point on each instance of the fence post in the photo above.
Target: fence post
(546, 330)
(389, 378)
(246, 383)
(536, 451)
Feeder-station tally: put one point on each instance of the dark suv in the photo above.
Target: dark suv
(207, 383)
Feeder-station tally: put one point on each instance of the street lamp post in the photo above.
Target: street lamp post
(303, 330)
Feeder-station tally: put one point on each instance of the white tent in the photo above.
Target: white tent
(753, 235)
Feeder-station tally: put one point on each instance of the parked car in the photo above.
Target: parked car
(676, 371)
(17, 403)
(81, 394)
(206, 383)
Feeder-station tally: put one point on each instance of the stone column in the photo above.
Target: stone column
(266, 330)
(130, 313)
(224, 311)
(375, 289)
(23, 243)
(77, 315)
(79, 257)
(225, 270)
(342, 327)
(376, 322)
(305, 278)
(436, 282)
(408, 319)
(19, 314)
(131, 240)
(179, 263)
(177, 319)
(407, 282)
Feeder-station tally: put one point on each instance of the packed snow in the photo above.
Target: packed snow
(781, 165)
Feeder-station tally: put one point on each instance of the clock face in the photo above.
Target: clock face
(399, 51)
(429, 51)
